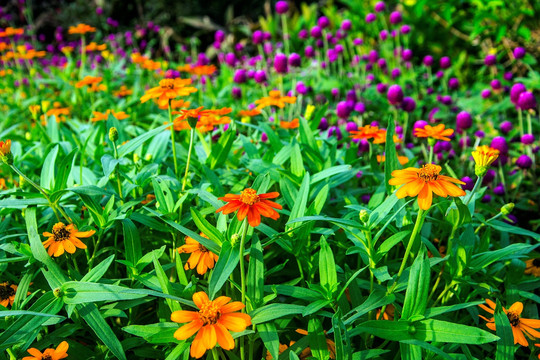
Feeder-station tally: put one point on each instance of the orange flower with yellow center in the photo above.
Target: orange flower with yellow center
(249, 204)
(423, 183)
(206, 118)
(93, 83)
(532, 267)
(7, 294)
(365, 132)
(9, 32)
(249, 113)
(95, 47)
(295, 123)
(65, 238)
(275, 99)
(437, 132)
(402, 159)
(5, 147)
(199, 70)
(169, 89)
(98, 116)
(176, 104)
(212, 323)
(49, 354)
(81, 29)
(519, 325)
(201, 258)
(123, 91)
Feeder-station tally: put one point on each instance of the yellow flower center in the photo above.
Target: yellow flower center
(513, 318)
(6, 291)
(429, 172)
(167, 84)
(46, 357)
(209, 313)
(249, 197)
(60, 232)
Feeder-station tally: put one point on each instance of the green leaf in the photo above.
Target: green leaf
(417, 289)
(382, 210)
(297, 165)
(429, 347)
(330, 172)
(375, 300)
(389, 243)
(317, 340)
(505, 345)
(391, 160)
(504, 227)
(46, 179)
(164, 283)
(220, 151)
(26, 312)
(133, 144)
(327, 267)
(389, 330)
(149, 332)
(227, 262)
(443, 331)
(206, 228)
(274, 311)
(99, 270)
(368, 354)
(270, 338)
(163, 195)
(75, 292)
(64, 169)
(255, 275)
(132, 242)
(299, 208)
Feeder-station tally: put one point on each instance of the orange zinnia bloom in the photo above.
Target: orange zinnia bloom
(121, 115)
(533, 267)
(81, 29)
(65, 238)
(388, 314)
(249, 204)
(176, 104)
(201, 258)
(9, 31)
(519, 325)
(5, 147)
(424, 182)
(438, 132)
(93, 82)
(249, 113)
(365, 132)
(206, 118)
(402, 159)
(295, 123)
(168, 89)
(275, 99)
(49, 354)
(202, 70)
(212, 323)
(7, 294)
(485, 155)
(123, 91)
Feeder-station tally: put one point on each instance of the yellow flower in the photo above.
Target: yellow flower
(484, 156)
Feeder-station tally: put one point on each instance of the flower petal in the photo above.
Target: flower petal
(224, 337)
(184, 332)
(183, 316)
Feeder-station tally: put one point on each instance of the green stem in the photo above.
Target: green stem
(191, 140)
(215, 355)
(520, 117)
(83, 56)
(91, 262)
(243, 282)
(118, 182)
(476, 186)
(285, 33)
(172, 141)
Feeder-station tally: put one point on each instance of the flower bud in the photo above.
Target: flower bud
(113, 134)
(234, 239)
(507, 208)
(364, 216)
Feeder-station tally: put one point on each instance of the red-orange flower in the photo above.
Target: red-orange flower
(365, 132)
(519, 325)
(81, 29)
(123, 91)
(95, 47)
(249, 204)
(93, 83)
(98, 116)
(295, 123)
(176, 104)
(423, 183)
(169, 89)
(7, 294)
(438, 132)
(275, 99)
(201, 258)
(249, 113)
(206, 118)
(49, 354)
(5, 147)
(402, 159)
(532, 267)
(212, 323)
(9, 31)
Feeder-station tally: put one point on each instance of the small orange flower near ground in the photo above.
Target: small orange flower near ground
(275, 99)
(7, 294)
(93, 83)
(212, 323)
(249, 113)
(388, 314)
(5, 147)
(104, 116)
(435, 132)
(201, 258)
(95, 47)
(402, 159)
(295, 123)
(533, 267)
(81, 29)
(9, 31)
(423, 183)
(519, 325)
(365, 132)
(65, 238)
(169, 89)
(249, 204)
(123, 91)
(49, 354)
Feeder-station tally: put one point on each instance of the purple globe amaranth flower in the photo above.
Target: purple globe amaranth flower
(480, 134)
(360, 107)
(527, 139)
(323, 124)
(446, 100)
(351, 126)
(445, 62)
(370, 17)
(526, 101)
(408, 104)
(490, 60)
(465, 142)
(432, 114)
(405, 29)
(395, 73)
(394, 95)
(219, 36)
(469, 183)
(346, 25)
(486, 199)
(363, 146)
(323, 22)
(464, 120)
(380, 6)
(257, 37)
(335, 131)
(230, 59)
(358, 41)
(508, 76)
(282, 7)
(267, 36)
(499, 190)
(488, 177)
(240, 76)
(519, 52)
(260, 76)
(439, 74)
(351, 95)
(428, 60)
(419, 124)
(335, 92)
(236, 92)
(303, 34)
(268, 48)
(524, 162)
(309, 51)
(496, 84)
(301, 88)
(516, 91)
(500, 144)
(511, 219)
(295, 60)
(383, 35)
(264, 137)
(382, 63)
(453, 83)
(99, 11)
(316, 32)
(280, 63)
(319, 43)
(381, 88)
(343, 109)
(407, 55)
(506, 127)
(373, 56)
(395, 17)
(485, 93)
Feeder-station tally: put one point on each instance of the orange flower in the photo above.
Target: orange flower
(150, 64)
(201, 258)
(249, 204)
(9, 31)
(212, 323)
(519, 325)
(438, 132)
(95, 47)
(123, 91)
(295, 123)
(202, 70)
(168, 89)
(275, 99)
(7, 294)
(249, 113)
(81, 29)
(93, 82)
(104, 116)
(65, 238)
(402, 159)
(388, 313)
(424, 182)
(148, 199)
(365, 132)
(58, 112)
(49, 354)
(206, 118)
(176, 104)
(306, 353)
(533, 267)
(5, 147)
